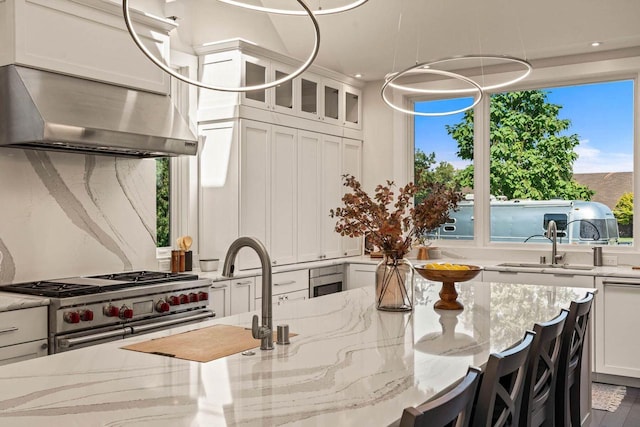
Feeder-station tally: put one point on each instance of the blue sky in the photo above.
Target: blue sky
(601, 115)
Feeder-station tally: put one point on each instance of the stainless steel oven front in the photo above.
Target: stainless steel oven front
(326, 280)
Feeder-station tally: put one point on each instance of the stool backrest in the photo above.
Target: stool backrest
(538, 396)
(451, 409)
(500, 392)
(570, 364)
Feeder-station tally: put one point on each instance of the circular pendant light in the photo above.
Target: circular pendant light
(390, 82)
(166, 69)
(427, 67)
(334, 10)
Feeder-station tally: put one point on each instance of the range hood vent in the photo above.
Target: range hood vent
(49, 111)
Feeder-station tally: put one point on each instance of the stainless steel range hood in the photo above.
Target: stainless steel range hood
(49, 111)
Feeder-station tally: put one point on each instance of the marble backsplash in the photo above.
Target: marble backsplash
(65, 214)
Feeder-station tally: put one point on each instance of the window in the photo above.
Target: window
(163, 196)
(555, 152)
(571, 143)
(442, 155)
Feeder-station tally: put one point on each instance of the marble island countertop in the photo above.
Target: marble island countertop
(350, 364)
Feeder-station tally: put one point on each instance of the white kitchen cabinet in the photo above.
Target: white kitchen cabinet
(352, 107)
(331, 182)
(248, 188)
(361, 275)
(617, 341)
(23, 334)
(268, 191)
(309, 229)
(318, 96)
(288, 281)
(351, 165)
(220, 298)
(234, 296)
(320, 187)
(287, 286)
(85, 38)
(257, 71)
(537, 278)
(242, 295)
(283, 200)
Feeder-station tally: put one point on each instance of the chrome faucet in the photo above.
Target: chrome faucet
(552, 233)
(264, 332)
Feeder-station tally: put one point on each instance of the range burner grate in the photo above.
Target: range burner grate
(51, 289)
(146, 277)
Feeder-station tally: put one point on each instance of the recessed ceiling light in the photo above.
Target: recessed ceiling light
(357, 75)
(596, 44)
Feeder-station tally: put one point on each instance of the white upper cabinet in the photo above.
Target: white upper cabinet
(352, 107)
(85, 38)
(257, 71)
(328, 101)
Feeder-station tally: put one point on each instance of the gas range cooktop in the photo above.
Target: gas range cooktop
(77, 286)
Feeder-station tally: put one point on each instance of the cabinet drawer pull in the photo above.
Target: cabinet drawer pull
(248, 282)
(9, 329)
(288, 282)
(218, 286)
(621, 283)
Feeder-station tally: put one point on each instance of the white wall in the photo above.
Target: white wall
(386, 153)
(72, 214)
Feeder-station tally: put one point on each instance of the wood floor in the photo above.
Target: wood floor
(627, 414)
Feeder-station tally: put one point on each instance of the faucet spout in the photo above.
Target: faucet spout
(265, 332)
(552, 234)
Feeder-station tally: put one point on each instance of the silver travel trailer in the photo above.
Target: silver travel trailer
(521, 221)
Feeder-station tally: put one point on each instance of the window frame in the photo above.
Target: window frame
(183, 191)
(545, 77)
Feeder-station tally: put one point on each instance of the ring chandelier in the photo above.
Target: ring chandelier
(427, 65)
(334, 10)
(166, 69)
(389, 82)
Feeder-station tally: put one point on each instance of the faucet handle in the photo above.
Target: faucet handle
(560, 257)
(255, 329)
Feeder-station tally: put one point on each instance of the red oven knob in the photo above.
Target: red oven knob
(72, 317)
(126, 312)
(174, 300)
(162, 306)
(86, 315)
(184, 299)
(193, 297)
(203, 296)
(111, 311)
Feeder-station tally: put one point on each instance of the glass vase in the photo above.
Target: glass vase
(394, 283)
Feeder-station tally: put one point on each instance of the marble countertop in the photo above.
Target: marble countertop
(10, 301)
(487, 264)
(349, 365)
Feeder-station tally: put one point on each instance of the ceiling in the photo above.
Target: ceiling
(389, 35)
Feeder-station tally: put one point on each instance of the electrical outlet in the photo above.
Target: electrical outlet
(609, 260)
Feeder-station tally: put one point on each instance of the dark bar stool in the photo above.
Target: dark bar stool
(500, 393)
(570, 366)
(450, 409)
(538, 396)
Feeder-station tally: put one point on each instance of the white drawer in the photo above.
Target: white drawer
(20, 352)
(19, 326)
(288, 281)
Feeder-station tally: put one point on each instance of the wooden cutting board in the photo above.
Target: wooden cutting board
(201, 345)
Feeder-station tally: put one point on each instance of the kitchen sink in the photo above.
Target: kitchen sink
(534, 265)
